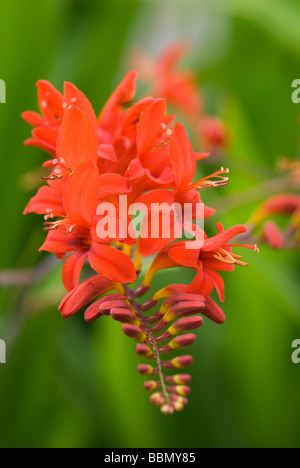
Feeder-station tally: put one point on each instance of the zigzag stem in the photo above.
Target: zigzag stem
(143, 320)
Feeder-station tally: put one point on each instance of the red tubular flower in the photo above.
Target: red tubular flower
(76, 232)
(133, 150)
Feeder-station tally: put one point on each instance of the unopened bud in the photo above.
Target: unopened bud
(179, 342)
(179, 379)
(145, 369)
(167, 409)
(144, 351)
(181, 326)
(178, 362)
(124, 316)
(181, 390)
(152, 385)
(134, 332)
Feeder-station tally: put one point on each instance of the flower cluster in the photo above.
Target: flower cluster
(132, 150)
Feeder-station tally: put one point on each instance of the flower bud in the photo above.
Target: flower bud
(144, 351)
(179, 379)
(145, 369)
(181, 390)
(181, 326)
(134, 332)
(152, 385)
(179, 342)
(167, 409)
(178, 362)
(124, 316)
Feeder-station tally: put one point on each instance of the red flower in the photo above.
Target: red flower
(214, 256)
(76, 232)
(183, 163)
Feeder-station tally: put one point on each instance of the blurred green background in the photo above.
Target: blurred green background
(69, 384)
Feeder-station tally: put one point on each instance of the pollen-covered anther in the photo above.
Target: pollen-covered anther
(226, 257)
(52, 226)
(49, 215)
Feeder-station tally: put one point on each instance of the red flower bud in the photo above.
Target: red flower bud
(179, 342)
(134, 332)
(178, 363)
(124, 316)
(144, 351)
(179, 379)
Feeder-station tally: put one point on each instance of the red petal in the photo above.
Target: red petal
(121, 96)
(59, 243)
(80, 194)
(76, 97)
(72, 269)
(150, 125)
(112, 263)
(50, 101)
(220, 240)
(219, 283)
(33, 118)
(77, 140)
(135, 170)
(202, 283)
(112, 184)
(107, 152)
(185, 257)
(46, 199)
(46, 136)
(157, 196)
(166, 177)
(182, 156)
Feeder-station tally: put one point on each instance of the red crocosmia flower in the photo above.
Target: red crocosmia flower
(76, 232)
(137, 151)
(53, 106)
(215, 255)
(183, 162)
